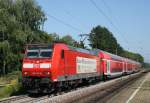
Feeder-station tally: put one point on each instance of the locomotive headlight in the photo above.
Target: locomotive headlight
(25, 73)
(27, 65)
(48, 73)
(45, 65)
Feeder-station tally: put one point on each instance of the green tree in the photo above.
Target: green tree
(102, 38)
(68, 40)
(55, 37)
(133, 56)
(146, 65)
(21, 22)
(4, 55)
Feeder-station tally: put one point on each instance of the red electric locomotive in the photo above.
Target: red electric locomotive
(50, 67)
(46, 67)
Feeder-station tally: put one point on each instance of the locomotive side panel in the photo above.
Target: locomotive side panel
(85, 65)
(80, 65)
(58, 66)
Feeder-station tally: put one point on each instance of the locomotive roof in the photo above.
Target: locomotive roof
(83, 50)
(37, 46)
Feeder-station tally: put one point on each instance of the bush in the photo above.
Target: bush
(13, 87)
(6, 91)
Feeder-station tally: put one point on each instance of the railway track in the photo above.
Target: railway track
(75, 95)
(35, 98)
(23, 99)
(92, 93)
(104, 94)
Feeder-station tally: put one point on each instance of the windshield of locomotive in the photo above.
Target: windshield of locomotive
(39, 51)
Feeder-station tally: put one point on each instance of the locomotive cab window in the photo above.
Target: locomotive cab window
(32, 54)
(39, 51)
(46, 54)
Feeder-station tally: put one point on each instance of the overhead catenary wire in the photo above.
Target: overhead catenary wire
(108, 18)
(115, 18)
(109, 10)
(64, 23)
(76, 18)
(106, 5)
(102, 12)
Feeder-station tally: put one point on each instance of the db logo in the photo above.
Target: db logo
(36, 65)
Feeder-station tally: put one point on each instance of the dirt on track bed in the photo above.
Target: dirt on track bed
(105, 96)
(129, 93)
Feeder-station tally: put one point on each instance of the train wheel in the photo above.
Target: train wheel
(104, 77)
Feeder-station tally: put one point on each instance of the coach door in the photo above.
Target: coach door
(124, 66)
(108, 66)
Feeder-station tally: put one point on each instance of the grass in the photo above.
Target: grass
(7, 78)
(10, 84)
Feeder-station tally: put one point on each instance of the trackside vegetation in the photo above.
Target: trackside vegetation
(10, 84)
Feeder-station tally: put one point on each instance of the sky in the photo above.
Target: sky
(128, 20)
